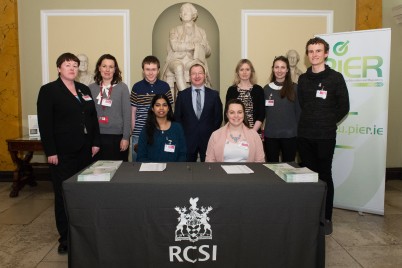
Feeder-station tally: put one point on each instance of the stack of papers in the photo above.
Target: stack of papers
(275, 167)
(100, 171)
(291, 174)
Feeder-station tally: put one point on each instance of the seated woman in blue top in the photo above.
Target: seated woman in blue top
(161, 140)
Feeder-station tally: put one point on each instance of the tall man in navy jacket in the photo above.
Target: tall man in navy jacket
(199, 110)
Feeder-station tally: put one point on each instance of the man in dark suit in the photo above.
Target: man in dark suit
(199, 110)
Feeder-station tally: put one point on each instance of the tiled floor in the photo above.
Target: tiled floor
(28, 236)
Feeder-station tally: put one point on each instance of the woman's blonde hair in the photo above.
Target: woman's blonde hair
(253, 77)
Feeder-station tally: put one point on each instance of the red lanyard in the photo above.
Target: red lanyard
(101, 93)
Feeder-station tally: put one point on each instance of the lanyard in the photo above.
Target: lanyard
(101, 94)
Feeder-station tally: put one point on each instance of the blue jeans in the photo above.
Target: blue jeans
(134, 140)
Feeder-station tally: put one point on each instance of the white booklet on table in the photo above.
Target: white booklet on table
(153, 167)
(237, 169)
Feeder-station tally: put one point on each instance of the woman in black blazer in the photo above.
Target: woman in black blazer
(246, 89)
(69, 131)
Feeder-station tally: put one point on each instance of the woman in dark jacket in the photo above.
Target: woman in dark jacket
(246, 89)
(69, 132)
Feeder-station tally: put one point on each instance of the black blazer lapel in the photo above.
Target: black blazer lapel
(66, 92)
(207, 101)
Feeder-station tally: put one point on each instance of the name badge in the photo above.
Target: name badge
(103, 119)
(86, 97)
(269, 102)
(169, 148)
(321, 94)
(107, 102)
(244, 145)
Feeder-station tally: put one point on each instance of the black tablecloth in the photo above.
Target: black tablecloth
(195, 215)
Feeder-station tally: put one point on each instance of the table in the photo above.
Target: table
(195, 215)
(23, 174)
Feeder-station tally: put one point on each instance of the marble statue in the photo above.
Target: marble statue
(294, 58)
(187, 46)
(84, 76)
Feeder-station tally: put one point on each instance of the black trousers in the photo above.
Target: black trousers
(110, 148)
(193, 156)
(69, 164)
(317, 155)
(275, 146)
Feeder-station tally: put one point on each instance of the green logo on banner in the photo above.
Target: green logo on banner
(355, 66)
(341, 48)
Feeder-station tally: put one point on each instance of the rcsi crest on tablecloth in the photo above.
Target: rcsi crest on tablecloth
(193, 223)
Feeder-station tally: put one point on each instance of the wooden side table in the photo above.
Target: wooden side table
(21, 151)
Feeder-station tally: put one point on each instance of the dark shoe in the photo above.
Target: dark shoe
(328, 227)
(63, 248)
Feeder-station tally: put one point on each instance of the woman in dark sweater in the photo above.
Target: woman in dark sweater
(245, 88)
(282, 112)
(161, 139)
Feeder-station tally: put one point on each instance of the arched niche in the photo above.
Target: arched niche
(170, 18)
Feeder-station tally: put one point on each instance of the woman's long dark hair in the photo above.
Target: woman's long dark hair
(151, 124)
(117, 73)
(288, 85)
